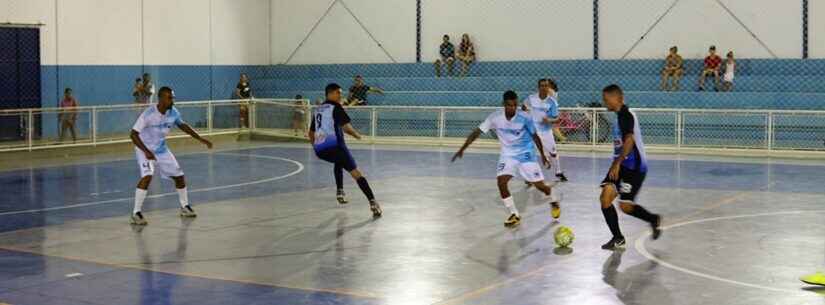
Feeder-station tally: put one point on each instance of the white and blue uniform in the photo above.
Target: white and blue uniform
(153, 127)
(518, 153)
(539, 110)
(329, 144)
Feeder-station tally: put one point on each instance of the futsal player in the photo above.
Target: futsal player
(543, 108)
(627, 172)
(326, 133)
(516, 133)
(153, 156)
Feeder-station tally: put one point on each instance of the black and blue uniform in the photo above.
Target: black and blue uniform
(633, 168)
(329, 144)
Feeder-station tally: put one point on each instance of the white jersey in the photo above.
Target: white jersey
(515, 135)
(154, 126)
(541, 109)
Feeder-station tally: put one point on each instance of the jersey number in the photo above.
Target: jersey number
(318, 120)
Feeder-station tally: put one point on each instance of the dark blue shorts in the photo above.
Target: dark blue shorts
(338, 156)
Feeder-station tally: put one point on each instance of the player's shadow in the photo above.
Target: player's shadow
(563, 251)
(815, 289)
(636, 284)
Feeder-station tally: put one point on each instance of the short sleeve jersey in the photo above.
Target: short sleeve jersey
(540, 109)
(154, 126)
(327, 120)
(360, 92)
(514, 135)
(626, 123)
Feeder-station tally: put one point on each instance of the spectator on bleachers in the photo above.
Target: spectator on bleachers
(299, 114)
(712, 65)
(466, 53)
(359, 91)
(243, 92)
(68, 115)
(673, 71)
(447, 53)
(144, 90)
(730, 70)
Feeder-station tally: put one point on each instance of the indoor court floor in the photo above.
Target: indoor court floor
(269, 231)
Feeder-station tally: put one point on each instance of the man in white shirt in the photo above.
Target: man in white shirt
(153, 156)
(543, 108)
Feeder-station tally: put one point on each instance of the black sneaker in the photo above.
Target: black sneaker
(342, 199)
(376, 209)
(512, 221)
(561, 177)
(614, 243)
(656, 224)
(137, 219)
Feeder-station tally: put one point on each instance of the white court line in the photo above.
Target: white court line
(640, 246)
(214, 188)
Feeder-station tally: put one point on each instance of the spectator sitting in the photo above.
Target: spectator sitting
(730, 69)
(447, 53)
(466, 53)
(144, 91)
(359, 91)
(299, 114)
(673, 71)
(712, 65)
(243, 92)
(67, 115)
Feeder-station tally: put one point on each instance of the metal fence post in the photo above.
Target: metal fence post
(769, 130)
(30, 129)
(373, 123)
(94, 125)
(594, 127)
(441, 124)
(209, 114)
(679, 128)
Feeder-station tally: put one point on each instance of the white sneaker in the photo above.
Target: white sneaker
(137, 219)
(187, 211)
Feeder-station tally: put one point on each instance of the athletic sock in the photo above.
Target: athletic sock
(339, 177)
(510, 204)
(140, 196)
(183, 196)
(612, 220)
(365, 187)
(642, 213)
(556, 164)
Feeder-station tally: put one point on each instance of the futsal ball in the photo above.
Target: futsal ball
(564, 236)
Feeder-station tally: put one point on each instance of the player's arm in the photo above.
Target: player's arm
(470, 139)
(135, 136)
(194, 134)
(376, 90)
(348, 129)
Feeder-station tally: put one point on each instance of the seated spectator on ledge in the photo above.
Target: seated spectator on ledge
(466, 53)
(447, 53)
(673, 71)
(712, 64)
(730, 69)
(359, 91)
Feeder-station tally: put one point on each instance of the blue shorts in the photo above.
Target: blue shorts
(338, 156)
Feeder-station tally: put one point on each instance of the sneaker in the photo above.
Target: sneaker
(376, 209)
(187, 211)
(814, 279)
(512, 221)
(561, 177)
(656, 224)
(555, 211)
(614, 243)
(137, 219)
(342, 199)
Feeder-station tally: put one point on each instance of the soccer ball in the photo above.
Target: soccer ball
(564, 236)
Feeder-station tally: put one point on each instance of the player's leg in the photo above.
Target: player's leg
(348, 163)
(147, 169)
(506, 169)
(610, 216)
(168, 167)
(338, 172)
(183, 197)
(548, 141)
(629, 187)
(531, 172)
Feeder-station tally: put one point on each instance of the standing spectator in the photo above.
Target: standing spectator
(144, 91)
(299, 114)
(730, 70)
(68, 115)
(136, 90)
(712, 65)
(673, 70)
(359, 91)
(466, 53)
(447, 53)
(243, 92)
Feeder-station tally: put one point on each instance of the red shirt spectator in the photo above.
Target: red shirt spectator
(712, 64)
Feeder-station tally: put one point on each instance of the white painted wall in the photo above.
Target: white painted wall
(240, 32)
(693, 25)
(176, 32)
(816, 29)
(339, 38)
(511, 30)
(109, 36)
(34, 11)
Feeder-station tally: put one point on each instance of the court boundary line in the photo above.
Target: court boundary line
(208, 189)
(640, 247)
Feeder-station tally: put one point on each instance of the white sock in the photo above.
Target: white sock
(556, 164)
(140, 196)
(510, 205)
(183, 196)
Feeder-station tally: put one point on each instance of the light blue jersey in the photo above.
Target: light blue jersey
(541, 109)
(154, 126)
(515, 135)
